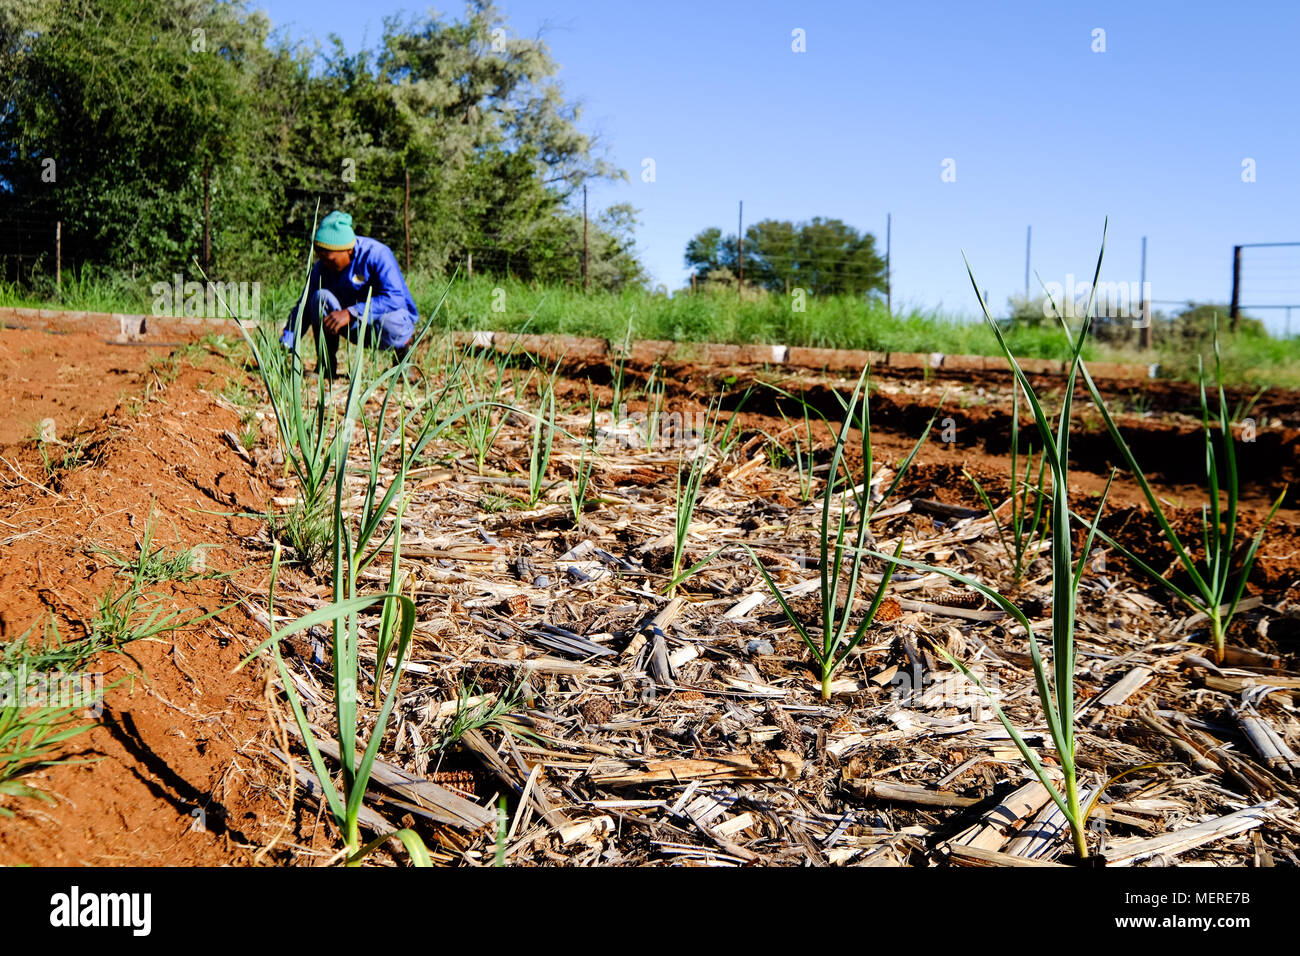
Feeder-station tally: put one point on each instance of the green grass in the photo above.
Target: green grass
(475, 711)
(494, 503)
(241, 396)
(32, 733)
(133, 615)
(831, 322)
(54, 462)
(1249, 357)
(33, 730)
(84, 289)
(306, 528)
(149, 565)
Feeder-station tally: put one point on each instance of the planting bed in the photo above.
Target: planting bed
(623, 725)
(167, 774)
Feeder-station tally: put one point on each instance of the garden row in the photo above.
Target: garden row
(643, 353)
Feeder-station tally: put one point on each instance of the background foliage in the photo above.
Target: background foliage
(822, 256)
(135, 100)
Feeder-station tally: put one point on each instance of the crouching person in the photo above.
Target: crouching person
(348, 267)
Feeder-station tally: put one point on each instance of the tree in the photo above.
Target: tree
(139, 102)
(131, 102)
(1195, 324)
(493, 149)
(703, 251)
(823, 256)
(614, 263)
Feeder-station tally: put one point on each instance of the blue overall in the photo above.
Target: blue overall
(373, 269)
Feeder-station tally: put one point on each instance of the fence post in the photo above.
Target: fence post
(406, 210)
(207, 219)
(1029, 238)
(58, 256)
(889, 274)
(1236, 287)
(586, 262)
(740, 249)
(1144, 307)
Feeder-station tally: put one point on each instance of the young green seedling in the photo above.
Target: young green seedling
(581, 481)
(1217, 583)
(841, 556)
(397, 625)
(543, 439)
(1055, 686)
(688, 491)
(1023, 532)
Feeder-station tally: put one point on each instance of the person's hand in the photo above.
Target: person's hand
(336, 322)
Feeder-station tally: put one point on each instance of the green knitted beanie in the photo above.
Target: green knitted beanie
(335, 232)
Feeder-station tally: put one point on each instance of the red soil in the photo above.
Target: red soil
(171, 777)
(184, 732)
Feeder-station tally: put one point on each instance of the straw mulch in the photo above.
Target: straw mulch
(627, 727)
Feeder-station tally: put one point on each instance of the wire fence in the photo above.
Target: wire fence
(32, 240)
(1266, 281)
(27, 235)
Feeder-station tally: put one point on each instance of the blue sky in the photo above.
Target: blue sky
(1041, 130)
